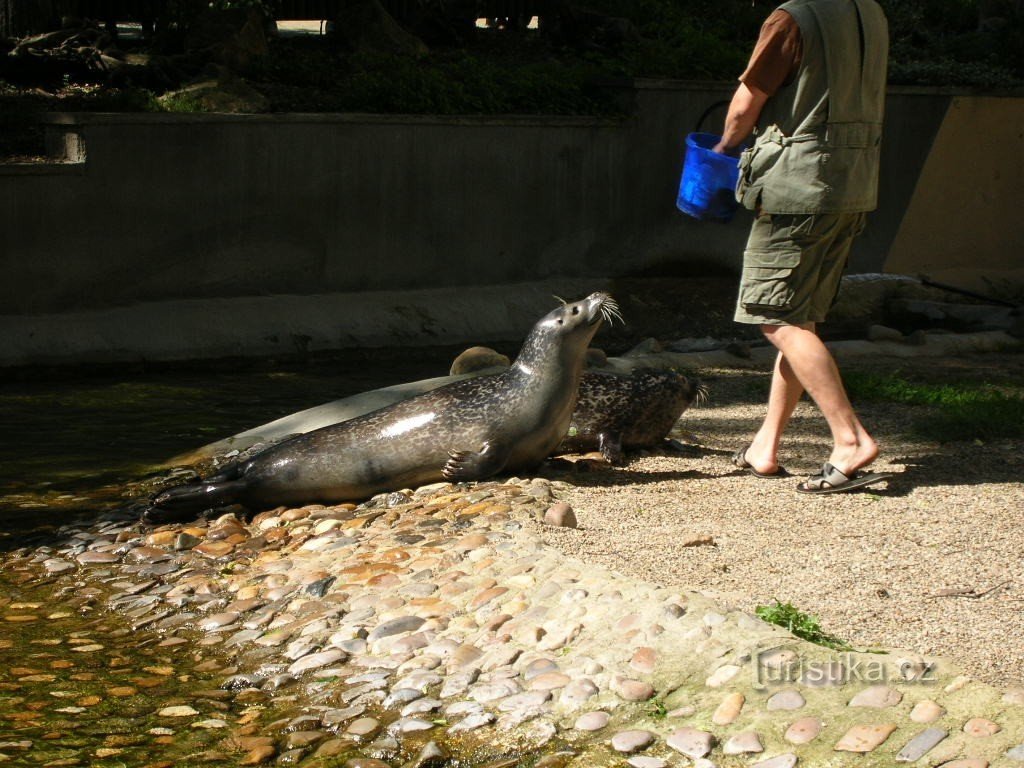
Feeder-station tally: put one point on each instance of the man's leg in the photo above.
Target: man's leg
(812, 365)
(785, 393)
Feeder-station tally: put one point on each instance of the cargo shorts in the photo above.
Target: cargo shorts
(792, 266)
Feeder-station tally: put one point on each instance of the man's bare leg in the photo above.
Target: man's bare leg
(815, 370)
(785, 393)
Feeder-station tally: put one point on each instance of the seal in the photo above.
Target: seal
(614, 412)
(468, 430)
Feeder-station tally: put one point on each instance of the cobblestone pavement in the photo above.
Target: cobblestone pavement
(435, 628)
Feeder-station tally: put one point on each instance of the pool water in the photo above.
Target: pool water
(70, 446)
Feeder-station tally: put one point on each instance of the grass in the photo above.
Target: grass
(958, 411)
(801, 624)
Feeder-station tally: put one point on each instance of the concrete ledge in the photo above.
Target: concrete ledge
(43, 168)
(936, 345)
(274, 325)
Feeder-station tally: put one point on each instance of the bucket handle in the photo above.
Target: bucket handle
(707, 112)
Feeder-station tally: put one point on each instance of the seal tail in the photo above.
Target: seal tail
(185, 501)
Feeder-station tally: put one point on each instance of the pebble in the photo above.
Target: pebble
(864, 738)
(788, 700)
(926, 711)
(729, 709)
(920, 745)
(979, 728)
(645, 761)
(632, 690)
(632, 741)
(743, 743)
(178, 711)
(804, 730)
(877, 697)
(592, 721)
(722, 675)
(787, 760)
(363, 727)
(560, 515)
(691, 742)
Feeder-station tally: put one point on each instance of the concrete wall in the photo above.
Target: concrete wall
(164, 214)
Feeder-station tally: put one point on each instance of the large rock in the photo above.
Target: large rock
(236, 38)
(222, 93)
(365, 26)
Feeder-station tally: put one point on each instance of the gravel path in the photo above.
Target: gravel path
(873, 566)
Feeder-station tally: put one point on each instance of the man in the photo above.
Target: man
(816, 86)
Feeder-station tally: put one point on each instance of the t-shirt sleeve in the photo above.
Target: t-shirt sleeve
(776, 56)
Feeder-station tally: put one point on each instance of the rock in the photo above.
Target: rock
(645, 761)
(235, 38)
(787, 760)
(363, 728)
(643, 660)
(1016, 753)
(560, 515)
(317, 661)
(632, 690)
(979, 728)
(920, 745)
(259, 755)
(477, 359)
(883, 333)
(226, 93)
(804, 730)
(698, 540)
(632, 741)
(178, 711)
(877, 697)
(364, 26)
(728, 710)
(864, 738)
(691, 742)
(430, 756)
(592, 721)
(926, 711)
(722, 675)
(743, 743)
(787, 700)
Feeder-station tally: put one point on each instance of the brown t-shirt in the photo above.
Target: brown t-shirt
(776, 57)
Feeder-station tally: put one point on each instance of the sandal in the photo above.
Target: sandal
(740, 460)
(831, 480)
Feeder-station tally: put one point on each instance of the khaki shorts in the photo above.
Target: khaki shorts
(792, 266)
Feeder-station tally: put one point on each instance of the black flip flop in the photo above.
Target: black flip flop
(831, 480)
(740, 460)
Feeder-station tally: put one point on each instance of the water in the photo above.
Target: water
(71, 446)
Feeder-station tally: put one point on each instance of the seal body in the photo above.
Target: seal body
(615, 412)
(467, 430)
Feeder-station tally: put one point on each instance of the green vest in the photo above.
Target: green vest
(818, 149)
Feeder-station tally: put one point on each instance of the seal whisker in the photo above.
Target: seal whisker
(610, 311)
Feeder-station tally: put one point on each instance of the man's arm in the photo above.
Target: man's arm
(744, 110)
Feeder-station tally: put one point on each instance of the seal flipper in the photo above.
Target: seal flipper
(611, 448)
(474, 465)
(185, 501)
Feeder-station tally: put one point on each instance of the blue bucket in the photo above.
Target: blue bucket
(707, 189)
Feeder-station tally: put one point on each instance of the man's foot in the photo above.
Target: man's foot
(831, 480)
(740, 460)
(850, 459)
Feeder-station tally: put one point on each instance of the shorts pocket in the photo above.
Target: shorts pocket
(767, 279)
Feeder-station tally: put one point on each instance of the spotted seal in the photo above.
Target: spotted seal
(615, 412)
(468, 430)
